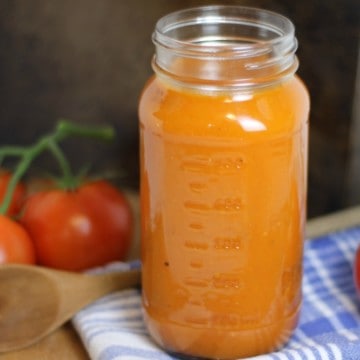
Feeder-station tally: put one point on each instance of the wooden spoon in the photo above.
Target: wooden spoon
(34, 300)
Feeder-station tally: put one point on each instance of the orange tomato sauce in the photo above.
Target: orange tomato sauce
(223, 197)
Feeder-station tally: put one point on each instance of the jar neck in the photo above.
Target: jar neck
(225, 47)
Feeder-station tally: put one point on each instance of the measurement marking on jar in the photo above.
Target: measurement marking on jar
(224, 281)
(196, 264)
(215, 164)
(227, 243)
(196, 163)
(197, 187)
(196, 226)
(197, 245)
(196, 282)
(228, 204)
(221, 204)
(193, 205)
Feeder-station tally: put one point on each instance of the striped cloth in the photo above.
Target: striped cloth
(329, 328)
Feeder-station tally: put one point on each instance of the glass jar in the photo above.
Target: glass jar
(223, 143)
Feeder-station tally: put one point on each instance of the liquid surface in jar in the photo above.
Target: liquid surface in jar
(223, 186)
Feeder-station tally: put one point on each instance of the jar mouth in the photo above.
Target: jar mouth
(259, 39)
(222, 28)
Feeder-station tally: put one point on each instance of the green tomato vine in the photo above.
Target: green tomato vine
(50, 142)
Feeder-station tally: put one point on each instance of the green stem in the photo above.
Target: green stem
(63, 130)
(20, 170)
(27, 156)
(68, 181)
(11, 151)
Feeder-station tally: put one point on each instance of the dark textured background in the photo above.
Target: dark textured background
(87, 60)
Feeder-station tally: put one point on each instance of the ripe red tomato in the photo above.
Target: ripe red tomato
(18, 195)
(357, 270)
(80, 229)
(15, 243)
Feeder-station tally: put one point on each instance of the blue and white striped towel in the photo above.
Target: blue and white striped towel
(329, 328)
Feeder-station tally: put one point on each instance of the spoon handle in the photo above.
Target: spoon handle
(118, 280)
(90, 287)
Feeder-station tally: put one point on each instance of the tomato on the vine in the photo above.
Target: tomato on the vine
(79, 229)
(17, 196)
(15, 243)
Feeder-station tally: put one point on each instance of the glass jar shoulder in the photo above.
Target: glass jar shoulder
(259, 113)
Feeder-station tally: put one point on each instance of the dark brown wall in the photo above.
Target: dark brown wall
(87, 60)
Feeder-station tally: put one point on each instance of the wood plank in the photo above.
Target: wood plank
(332, 222)
(62, 344)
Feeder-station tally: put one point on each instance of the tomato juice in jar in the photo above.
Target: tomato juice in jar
(223, 143)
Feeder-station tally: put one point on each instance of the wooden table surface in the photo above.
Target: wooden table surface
(65, 343)
(62, 344)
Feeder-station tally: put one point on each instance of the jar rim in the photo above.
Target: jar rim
(281, 27)
(227, 46)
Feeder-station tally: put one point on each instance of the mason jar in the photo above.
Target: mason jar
(223, 144)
